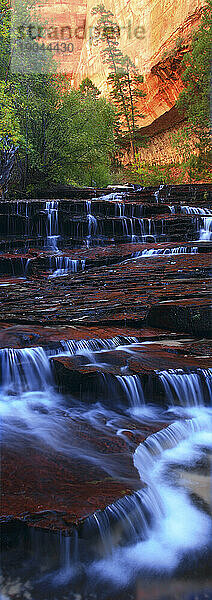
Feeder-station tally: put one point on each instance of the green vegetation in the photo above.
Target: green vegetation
(124, 80)
(63, 135)
(148, 174)
(67, 135)
(193, 141)
(194, 101)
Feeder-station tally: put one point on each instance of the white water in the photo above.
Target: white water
(153, 252)
(133, 228)
(186, 389)
(92, 222)
(65, 265)
(131, 385)
(206, 230)
(152, 530)
(29, 368)
(157, 193)
(52, 224)
(205, 233)
(196, 210)
(170, 524)
(24, 370)
(113, 197)
(96, 344)
(176, 250)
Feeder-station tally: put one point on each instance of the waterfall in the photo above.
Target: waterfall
(176, 250)
(126, 521)
(65, 265)
(172, 209)
(113, 197)
(96, 345)
(187, 389)
(157, 193)
(195, 210)
(27, 369)
(149, 252)
(206, 230)
(154, 527)
(119, 209)
(206, 219)
(52, 224)
(151, 449)
(92, 222)
(131, 385)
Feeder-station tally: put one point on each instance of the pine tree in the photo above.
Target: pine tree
(87, 88)
(123, 78)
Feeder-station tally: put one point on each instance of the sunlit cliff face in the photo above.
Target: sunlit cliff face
(149, 31)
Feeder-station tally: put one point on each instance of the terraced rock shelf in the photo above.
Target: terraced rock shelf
(106, 389)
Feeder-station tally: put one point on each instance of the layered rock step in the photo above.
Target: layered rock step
(129, 257)
(134, 375)
(112, 295)
(63, 263)
(112, 217)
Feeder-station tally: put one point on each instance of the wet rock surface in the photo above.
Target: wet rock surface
(136, 266)
(108, 295)
(44, 489)
(193, 316)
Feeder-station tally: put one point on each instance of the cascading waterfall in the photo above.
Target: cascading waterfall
(157, 193)
(139, 531)
(187, 389)
(132, 388)
(26, 219)
(206, 230)
(52, 224)
(144, 531)
(149, 252)
(92, 222)
(59, 264)
(205, 223)
(119, 209)
(23, 370)
(113, 197)
(96, 345)
(29, 368)
(64, 265)
(163, 522)
(176, 250)
(195, 210)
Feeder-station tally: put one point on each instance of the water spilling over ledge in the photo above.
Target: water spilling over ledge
(105, 420)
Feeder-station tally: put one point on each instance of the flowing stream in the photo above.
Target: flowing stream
(158, 528)
(154, 542)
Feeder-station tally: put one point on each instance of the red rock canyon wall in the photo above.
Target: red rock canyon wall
(150, 30)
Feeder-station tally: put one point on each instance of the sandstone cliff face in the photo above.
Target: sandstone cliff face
(65, 30)
(154, 33)
(149, 30)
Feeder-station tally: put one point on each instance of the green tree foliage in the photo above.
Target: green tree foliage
(124, 79)
(64, 135)
(194, 100)
(87, 88)
(5, 15)
(68, 136)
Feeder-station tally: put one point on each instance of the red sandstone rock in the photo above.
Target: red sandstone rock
(48, 490)
(193, 316)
